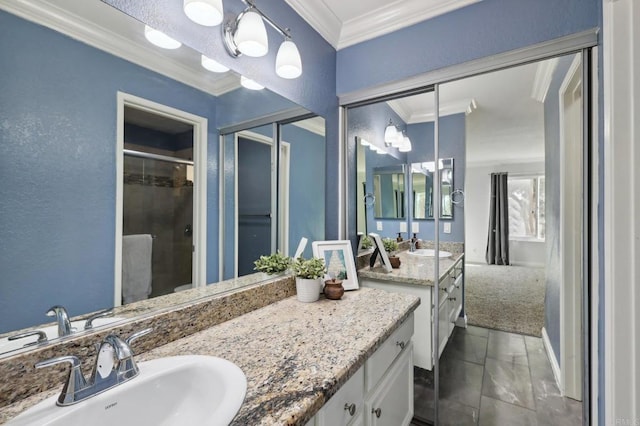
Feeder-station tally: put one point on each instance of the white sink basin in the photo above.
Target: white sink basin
(430, 253)
(51, 331)
(181, 390)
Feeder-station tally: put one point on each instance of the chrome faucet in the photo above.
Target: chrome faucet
(42, 337)
(62, 318)
(114, 365)
(88, 325)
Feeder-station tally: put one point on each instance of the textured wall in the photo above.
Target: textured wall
(57, 154)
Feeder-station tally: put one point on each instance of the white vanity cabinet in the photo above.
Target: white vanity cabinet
(381, 391)
(448, 310)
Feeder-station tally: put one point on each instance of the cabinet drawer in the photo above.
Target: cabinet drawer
(336, 411)
(380, 361)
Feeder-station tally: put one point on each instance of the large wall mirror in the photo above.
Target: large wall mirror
(389, 192)
(100, 143)
(422, 176)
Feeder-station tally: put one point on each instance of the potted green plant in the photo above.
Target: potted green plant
(366, 243)
(273, 264)
(391, 246)
(308, 273)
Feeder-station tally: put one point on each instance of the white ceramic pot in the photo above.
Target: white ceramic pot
(308, 290)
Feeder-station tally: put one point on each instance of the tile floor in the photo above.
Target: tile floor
(490, 377)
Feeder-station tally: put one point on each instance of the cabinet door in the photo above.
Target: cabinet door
(443, 324)
(391, 404)
(345, 405)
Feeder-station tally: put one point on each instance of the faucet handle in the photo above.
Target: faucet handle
(76, 381)
(42, 337)
(88, 325)
(138, 334)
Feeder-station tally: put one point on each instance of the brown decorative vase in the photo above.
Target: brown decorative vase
(395, 261)
(333, 289)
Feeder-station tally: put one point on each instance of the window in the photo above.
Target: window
(526, 207)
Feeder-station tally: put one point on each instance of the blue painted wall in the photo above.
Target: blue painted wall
(552, 205)
(306, 186)
(452, 145)
(315, 90)
(483, 29)
(57, 154)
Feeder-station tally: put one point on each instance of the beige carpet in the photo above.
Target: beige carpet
(508, 298)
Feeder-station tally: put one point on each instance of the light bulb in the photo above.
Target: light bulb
(204, 12)
(160, 39)
(251, 35)
(288, 62)
(212, 65)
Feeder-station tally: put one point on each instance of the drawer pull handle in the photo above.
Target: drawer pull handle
(453, 299)
(401, 344)
(377, 412)
(351, 408)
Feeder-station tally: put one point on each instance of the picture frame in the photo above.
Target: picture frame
(379, 250)
(338, 256)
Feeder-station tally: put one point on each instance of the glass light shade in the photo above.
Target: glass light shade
(406, 145)
(204, 12)
(288, 62)
(397, 143)
(390, 134)
(160, 39)
(247, 83)
(251, 35)
(212, 65)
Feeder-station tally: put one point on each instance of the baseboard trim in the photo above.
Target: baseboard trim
(552, 359)
(462, 321)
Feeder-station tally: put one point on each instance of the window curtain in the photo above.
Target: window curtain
(498, 238)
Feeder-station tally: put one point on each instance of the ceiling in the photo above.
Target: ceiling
(346, 22)
(504, 112)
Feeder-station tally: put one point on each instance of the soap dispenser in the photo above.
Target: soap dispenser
(399, 239)
(415, 243)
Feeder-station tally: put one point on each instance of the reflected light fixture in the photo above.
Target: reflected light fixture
(247, 83)
(247, 35)
(160, 39)
(390, 134)
(204, 12)
(364, 142)
(406, 144)
(212, 65)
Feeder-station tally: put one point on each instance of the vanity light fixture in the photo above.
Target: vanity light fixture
(212, 65)
(391, 134)
(247, 35)
(204, 12)
(406, 144)
(160, 39)
(247, 83)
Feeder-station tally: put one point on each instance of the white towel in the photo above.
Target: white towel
(136, 267)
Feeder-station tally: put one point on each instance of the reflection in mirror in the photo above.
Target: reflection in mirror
(389, 192)
(59, 164)
(422, 180)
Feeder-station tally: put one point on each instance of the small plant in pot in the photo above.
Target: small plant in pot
(366, 242)
(273, 264)
(391, 246)
(308, 273)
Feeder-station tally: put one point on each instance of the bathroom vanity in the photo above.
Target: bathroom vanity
(415, 277)
(325, 363)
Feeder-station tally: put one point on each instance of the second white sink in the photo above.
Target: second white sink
(430, 253)
(181, 390)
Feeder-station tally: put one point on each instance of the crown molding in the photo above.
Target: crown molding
(542, 80)
(392, 17)
(313, 125)
(320, 17)
(466, 106)
(85, 31)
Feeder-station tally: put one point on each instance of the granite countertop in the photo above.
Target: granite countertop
(417, 270)
(295, 355)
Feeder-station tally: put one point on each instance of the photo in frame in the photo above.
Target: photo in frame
(338, 256)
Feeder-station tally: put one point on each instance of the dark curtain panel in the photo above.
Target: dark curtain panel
(498, 238)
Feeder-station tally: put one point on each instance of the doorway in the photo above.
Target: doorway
(161, 200)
